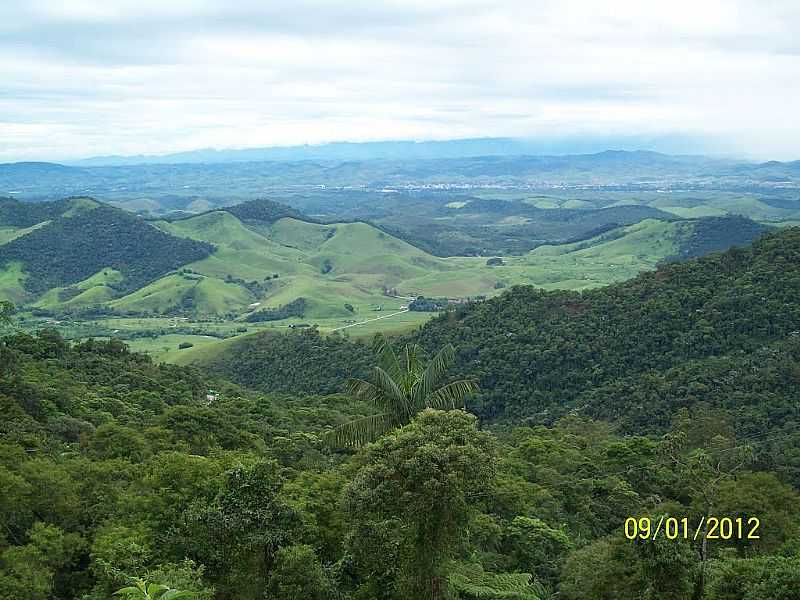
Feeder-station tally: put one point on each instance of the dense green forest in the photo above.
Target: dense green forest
(672, 395)
(265, 211)
(73, 247)
(25, 214)
(300, 362)
(114, 468)
(536, 352)
(719, 332)
(712, 234)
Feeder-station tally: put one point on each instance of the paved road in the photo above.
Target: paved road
(371, 320)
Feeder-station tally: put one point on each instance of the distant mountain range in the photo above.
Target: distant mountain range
(399, 150)
(233, 180)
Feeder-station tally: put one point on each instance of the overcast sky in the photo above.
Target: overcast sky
(83, 78)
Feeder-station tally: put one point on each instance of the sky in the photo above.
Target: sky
(85, 78)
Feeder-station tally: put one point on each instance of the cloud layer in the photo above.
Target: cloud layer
(144, 76)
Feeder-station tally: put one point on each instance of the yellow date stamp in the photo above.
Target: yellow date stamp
(710, 528)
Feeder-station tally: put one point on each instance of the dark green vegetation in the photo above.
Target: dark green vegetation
(720, 331)
(301, 362)
(265, 211)
(729, 304)
(25, 214)
(87, 238)
(404, 384)
(93, 270)
(715, 233)
(114, 469)
(295, 308)
(423, 304)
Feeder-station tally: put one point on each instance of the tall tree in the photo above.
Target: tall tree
(401, 387)
(420, 486)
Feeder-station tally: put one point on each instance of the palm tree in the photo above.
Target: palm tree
(153, 591)
(401, 387)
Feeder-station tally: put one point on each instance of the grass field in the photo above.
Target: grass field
(95, 290)
(355, 279)
(347, 273)
(327, 265)
(165, 348)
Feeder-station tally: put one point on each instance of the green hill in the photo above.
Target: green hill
(250, 262)
(275, 263)
(540, 354)
(264, 211)
(83, 241)
(722, 330)
(14, 213)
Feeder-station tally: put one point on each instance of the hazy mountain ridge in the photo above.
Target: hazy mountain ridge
(246, 180)
(388, 150)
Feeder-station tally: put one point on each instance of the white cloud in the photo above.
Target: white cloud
(144, 76)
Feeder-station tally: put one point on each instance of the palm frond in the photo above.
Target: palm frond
(362, 390)
(384, 393)
(400, 388)
(433, 373)
(415, 357)
(387, 358)
(394, 399)
(452, 395)
(361, 431)
(470, 579)
(153, 589)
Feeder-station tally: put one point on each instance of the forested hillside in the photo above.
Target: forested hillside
(265, 211)
(720, 331)
(719, 233)
(73, 247)
(536, 352)
(113, 468)
(25, 214)
(299, 362)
